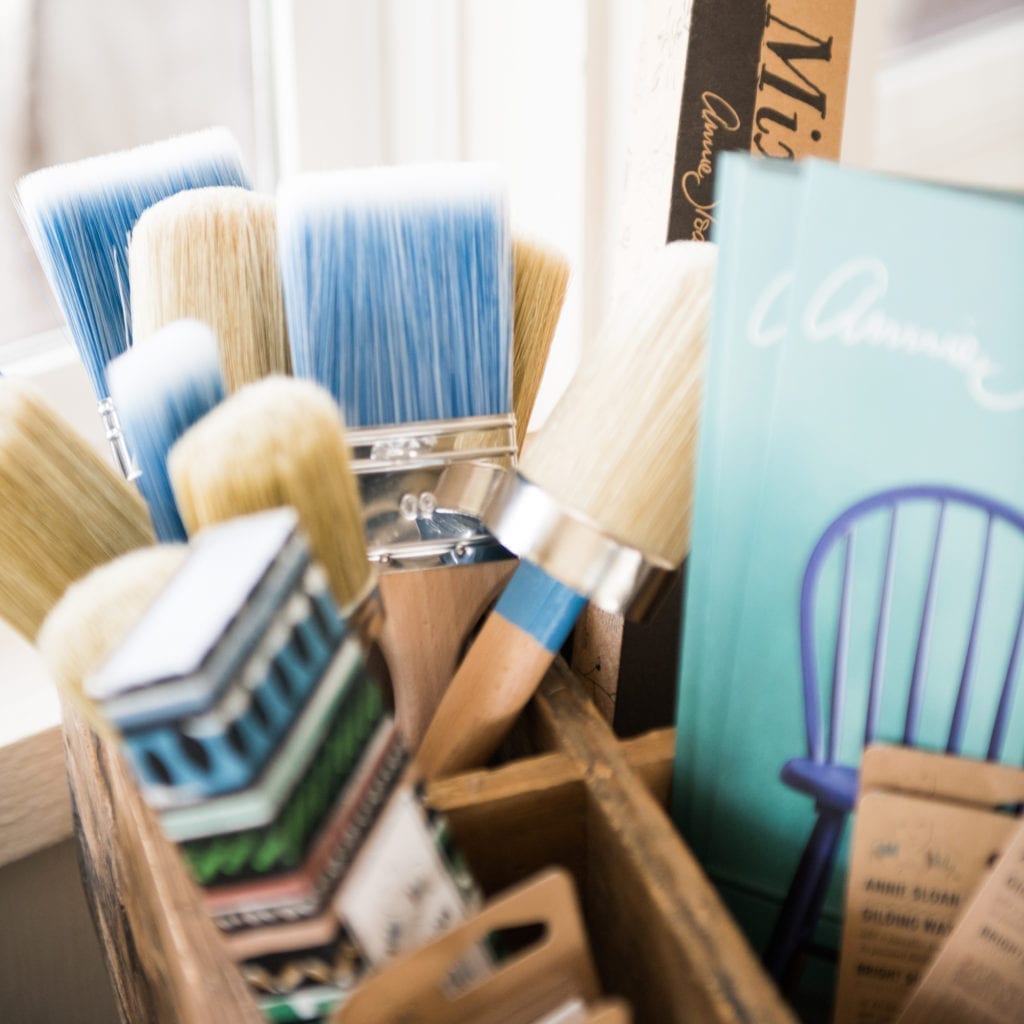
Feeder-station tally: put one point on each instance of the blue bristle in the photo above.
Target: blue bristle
(397, 286)
(79, 217)
(161, 387)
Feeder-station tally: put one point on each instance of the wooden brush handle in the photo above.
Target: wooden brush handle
(498, 676)
(430, 617)
(501, 671)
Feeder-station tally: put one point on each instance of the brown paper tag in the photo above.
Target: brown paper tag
(916, 859)
(550, 973)
(978, 977)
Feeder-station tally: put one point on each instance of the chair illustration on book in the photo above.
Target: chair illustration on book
(821, 775)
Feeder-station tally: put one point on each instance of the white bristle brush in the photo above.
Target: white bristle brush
(210, 254)
(63, 509)
(160, 388)
(79, 217)
(615, 461)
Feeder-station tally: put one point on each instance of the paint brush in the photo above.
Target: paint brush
(160, 388)
(280, 442)
(79, 217)
(540, 282)
(600, 508)
(210, 254)
(63, 509)
(397, 285)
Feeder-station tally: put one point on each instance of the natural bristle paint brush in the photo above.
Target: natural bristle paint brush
(398, 293)
(541, 279)
(63, 509)
(160, 388)
(79, 217)
(278, 442)
(210, 254)
(244, 709)
(601, 504)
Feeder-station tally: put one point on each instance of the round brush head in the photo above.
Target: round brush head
(277, 442)
(63, 509)
(211, 254)
(619, 448)
(95, 615)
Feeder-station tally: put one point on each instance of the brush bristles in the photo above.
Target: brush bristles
(541, 280)
(79, 216)
(619, 447)
(211, 254)
(277, 442)
(95, 615)
(63, 509)
(160, 389)
(397, 285)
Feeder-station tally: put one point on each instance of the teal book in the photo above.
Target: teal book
(882, 593)
(756, 235)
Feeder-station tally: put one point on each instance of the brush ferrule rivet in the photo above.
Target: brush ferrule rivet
(424, 487)
(115, 438)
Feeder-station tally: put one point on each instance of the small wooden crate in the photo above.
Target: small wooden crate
(660, 935)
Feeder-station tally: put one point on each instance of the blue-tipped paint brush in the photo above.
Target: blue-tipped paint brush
(397, 287)
(160, 388)
(79, 217)
(398, 296)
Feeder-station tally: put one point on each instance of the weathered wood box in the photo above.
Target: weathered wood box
(579, 798)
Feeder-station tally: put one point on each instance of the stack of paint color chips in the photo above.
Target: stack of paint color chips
(253, 727)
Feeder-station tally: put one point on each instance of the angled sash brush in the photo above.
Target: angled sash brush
(600, 508)
(211, 254)
(79, 217)
(160, 389)
(541, 280)
(63, 509)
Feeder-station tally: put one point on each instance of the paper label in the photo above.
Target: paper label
(979, 974)
(399, 893)
(915, 863)
(928, 830)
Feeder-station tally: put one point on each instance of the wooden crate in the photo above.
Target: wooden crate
(660, 935)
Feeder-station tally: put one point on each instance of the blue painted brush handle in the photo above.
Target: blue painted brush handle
(541, 606)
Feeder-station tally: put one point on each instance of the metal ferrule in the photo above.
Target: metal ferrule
(575, 550)
(424, 488)
(118, 445)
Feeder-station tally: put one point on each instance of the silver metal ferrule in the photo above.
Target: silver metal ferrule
(575, 550)
(118, 445)
(424, 488)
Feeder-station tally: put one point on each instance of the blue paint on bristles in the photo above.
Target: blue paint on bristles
(161, 387)
(79, 217)
(398, 286)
